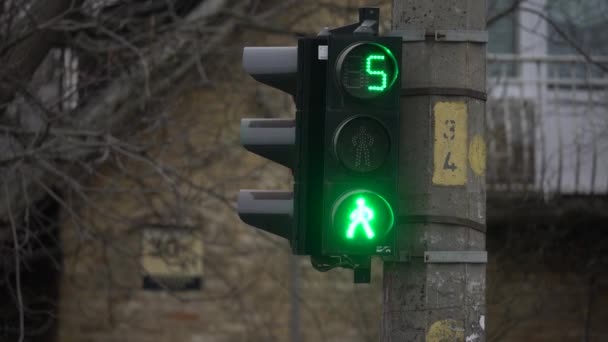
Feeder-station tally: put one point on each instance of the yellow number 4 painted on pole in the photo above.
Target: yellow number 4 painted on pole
(450, 143)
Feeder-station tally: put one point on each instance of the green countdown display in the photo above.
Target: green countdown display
(380, 72)
(366, 70)
(361, 218)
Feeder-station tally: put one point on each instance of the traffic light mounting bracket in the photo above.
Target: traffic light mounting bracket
(369, 17)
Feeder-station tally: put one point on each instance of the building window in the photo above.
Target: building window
(584, 22)
(172, 259)
(502, 37)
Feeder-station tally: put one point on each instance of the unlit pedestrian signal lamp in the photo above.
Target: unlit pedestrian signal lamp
(342, 145)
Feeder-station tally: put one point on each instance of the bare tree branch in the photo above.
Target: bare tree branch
(21, 60)
(575, 45)
(17, 271)
(512, 8)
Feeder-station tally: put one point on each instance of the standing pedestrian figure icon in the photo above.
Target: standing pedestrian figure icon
(362, 141)
(360, 217)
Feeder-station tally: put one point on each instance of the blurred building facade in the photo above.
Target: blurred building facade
(546, 119)
(547, 131)
(547, 136)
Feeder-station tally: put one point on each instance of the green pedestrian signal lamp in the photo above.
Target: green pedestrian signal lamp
(361, 221)
(360, 216)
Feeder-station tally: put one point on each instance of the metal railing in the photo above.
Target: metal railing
(547, 124)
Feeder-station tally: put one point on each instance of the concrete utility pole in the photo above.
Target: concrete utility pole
(436, 292)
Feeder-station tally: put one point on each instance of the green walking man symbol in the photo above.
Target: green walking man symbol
(360, 217)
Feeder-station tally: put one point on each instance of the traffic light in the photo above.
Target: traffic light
(342, 145)
(362, 136)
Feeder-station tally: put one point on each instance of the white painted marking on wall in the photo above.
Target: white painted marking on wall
(472, 337)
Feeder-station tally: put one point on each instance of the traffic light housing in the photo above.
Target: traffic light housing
(293, 143)
(270, 210)
(362, 136)
(342, 146)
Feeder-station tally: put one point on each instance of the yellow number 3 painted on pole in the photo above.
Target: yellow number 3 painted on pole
(450, 150)
(446, 330)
